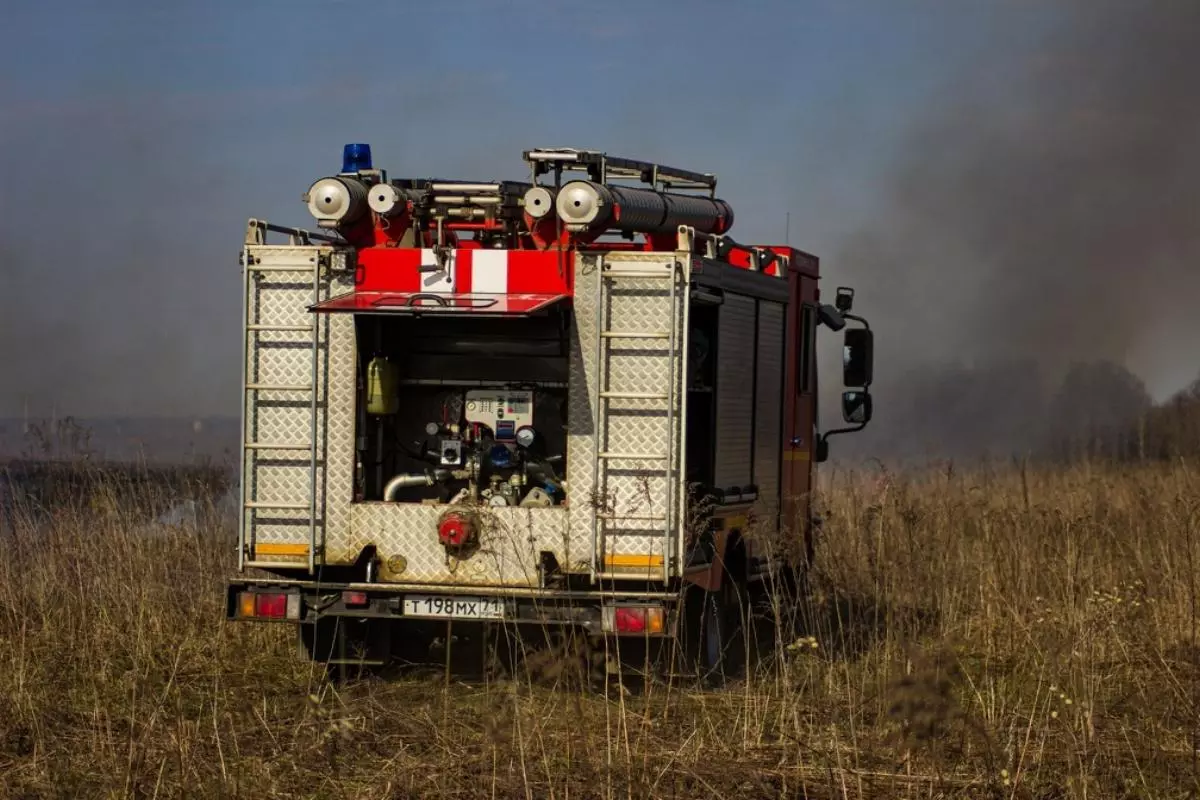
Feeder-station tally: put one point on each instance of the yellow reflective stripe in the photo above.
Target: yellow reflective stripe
(280, 549)
(796, 455)
(630, 560)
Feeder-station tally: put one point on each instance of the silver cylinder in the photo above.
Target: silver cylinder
(588, 206)
(337, 199)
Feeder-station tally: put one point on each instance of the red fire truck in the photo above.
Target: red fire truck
(572, 402)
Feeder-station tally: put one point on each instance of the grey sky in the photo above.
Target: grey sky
(137, 142)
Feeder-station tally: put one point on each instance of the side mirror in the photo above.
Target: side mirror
(856, 407)
(858, 355)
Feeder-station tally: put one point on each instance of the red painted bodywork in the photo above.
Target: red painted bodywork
(801, 401)
(394, 269)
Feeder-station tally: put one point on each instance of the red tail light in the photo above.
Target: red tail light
(353, 598)
(268, 605)
(271, 606)
(642, 618)
(630, 620)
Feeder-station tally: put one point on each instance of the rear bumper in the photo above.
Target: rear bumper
(593, 611)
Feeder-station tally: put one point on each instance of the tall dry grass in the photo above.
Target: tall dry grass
(988, 634)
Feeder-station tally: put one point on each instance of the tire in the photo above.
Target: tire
(710, 640)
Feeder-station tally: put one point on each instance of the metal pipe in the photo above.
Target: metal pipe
(299, 233)
(245, 524)
(405, 481)
(599, 439)
(672, 465)
(463, 199)
(312, 468)
(680, 496)
(465, 187)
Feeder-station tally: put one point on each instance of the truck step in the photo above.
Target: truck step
(280, 268)
(632, 456)
(636, 334)
(281, 328)
(634, 517)
(277, 446)
(634, 396)
(279, 387)
(614, 274)
(254, 504)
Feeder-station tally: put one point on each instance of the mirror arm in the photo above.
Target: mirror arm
(836, 431)
(857, 318)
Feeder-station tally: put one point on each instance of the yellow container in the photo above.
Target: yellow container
(383, 387)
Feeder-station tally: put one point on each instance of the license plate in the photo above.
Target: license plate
(449, 607)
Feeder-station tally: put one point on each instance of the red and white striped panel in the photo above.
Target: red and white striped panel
(466, 271)
(434, 303)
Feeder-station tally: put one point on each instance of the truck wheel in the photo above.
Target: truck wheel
(711, 639)
(776, 617)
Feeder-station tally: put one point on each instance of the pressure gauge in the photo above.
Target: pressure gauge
(525, 436)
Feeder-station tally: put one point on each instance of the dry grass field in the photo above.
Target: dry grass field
(1006, 633)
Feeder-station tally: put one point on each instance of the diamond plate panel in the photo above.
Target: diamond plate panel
(283, 421)
(768, 401)
(511, 542)
(283, 363)
(581, 422)
(735, 385)
(338, 441)
(280, 287)
(636, 492)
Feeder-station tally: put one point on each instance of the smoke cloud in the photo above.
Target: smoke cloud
(1035, 218)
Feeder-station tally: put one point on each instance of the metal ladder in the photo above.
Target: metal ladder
(251, 448)
(655, 402)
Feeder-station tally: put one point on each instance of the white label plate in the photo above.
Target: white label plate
(452, 607)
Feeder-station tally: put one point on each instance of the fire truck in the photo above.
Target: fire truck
(571, 402)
